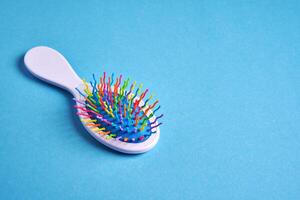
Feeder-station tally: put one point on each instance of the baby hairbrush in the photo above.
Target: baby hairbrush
(115, 112)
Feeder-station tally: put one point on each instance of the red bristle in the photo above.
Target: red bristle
(137, 102)
(81, 108)
(109, 92)
(142, 137)
(116, 87)
(83, 114)
(102, 103)
(87, 110)
(104, 80)
(101, 91)
(99, 86)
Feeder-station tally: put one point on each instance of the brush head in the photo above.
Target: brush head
(118, 110)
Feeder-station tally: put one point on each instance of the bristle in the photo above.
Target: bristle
(111, 110)
(157, 119)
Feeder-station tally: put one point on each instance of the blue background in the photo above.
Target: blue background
(226, 73)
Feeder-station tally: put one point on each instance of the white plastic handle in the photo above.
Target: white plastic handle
(52, 67)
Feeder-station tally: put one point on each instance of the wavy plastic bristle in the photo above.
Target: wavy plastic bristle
(117, 110)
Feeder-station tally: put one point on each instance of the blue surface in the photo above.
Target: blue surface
(226, 73)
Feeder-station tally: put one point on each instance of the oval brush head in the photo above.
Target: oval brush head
(117, 110)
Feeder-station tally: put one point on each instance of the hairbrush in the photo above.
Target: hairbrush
(115, 112)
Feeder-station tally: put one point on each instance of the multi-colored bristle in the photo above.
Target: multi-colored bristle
(117, 110)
